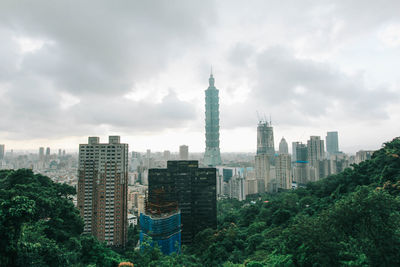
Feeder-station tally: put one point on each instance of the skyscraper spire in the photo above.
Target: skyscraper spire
(211, 80)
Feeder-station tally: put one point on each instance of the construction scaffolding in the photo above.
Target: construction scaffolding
(161, 222)
(159, 203)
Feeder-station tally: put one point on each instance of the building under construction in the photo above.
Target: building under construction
(265, 138)
(193, 189)
(161, 220)
(163, 229)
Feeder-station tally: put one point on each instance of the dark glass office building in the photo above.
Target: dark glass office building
(195, 190)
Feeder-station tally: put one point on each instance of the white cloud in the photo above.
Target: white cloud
(390, 35)
(29, 45)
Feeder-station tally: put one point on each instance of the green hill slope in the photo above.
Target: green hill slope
(349, 219)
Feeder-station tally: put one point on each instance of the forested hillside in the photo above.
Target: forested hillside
(39, 225)
(349, 219)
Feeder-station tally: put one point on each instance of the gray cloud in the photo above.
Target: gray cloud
(32, 115)
(96, 51)
(125, 113)
(103, 47)
(280, 58)
(302, 91)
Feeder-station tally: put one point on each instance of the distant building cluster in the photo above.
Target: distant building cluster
(59, 167)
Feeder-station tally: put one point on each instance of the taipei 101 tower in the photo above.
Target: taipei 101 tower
(212, 156)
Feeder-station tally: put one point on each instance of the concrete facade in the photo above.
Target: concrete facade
(103, 189)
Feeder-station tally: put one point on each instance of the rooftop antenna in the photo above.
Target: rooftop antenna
(258, 116)
(270, 120)
(211, 70)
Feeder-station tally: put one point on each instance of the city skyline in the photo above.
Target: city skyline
(177, 151)
(315, 67)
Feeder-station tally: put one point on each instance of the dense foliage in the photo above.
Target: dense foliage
(348, 219)
(39, 225)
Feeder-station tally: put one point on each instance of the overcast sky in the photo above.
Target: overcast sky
(73, 69)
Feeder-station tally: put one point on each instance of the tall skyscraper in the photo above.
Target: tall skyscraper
(316, 153)
(265, 139)
(262, 172)
(265, 157)
(183, 152)
(195, 189)
(283, 147)
(212, 156)
(148, 160)
(41, 153)
(332, 142)
(316, 150)
(167, 155)
(294, 147)
(283, 168)
(48, 152)
(103, 189)
(301, 167)
(2, 151)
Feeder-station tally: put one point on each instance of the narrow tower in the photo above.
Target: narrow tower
(212, 156)
(265, 138)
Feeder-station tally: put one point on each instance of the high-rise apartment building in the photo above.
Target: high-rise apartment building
(265, 139)
(283, 147)
(316, 150)
(41, 153)
(212, 156)
(262, 173)
(363, 155)
(301, 165)
(283, 169)
(167, 155)
(316, 153)
(183, 152)
(294, 146)
(195, 189)
(332, 142)
(103, 189)
(231, 182)
(2, 152)
(236, 187)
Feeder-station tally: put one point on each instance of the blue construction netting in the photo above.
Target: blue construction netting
(165, 231)
(160, 225)
(167, 245)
